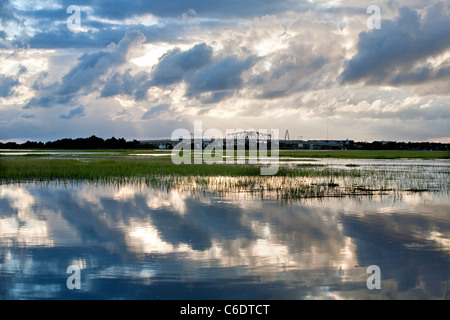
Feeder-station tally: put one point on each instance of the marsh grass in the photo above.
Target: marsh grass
(291, 182)
(30, 168)
(366, 154)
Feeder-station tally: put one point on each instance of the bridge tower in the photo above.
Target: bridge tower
(286, 136)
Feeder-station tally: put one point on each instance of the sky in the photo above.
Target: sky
(142, 69)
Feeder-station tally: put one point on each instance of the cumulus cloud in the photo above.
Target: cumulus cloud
(126, 84)
(202, 71)
(402, 51)
(88, 74)
(176, 65)
(225, 75)
(93, 66)
(303, 61)
(286, 63)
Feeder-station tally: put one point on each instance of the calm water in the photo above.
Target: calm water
(136, 242)
(11, 152)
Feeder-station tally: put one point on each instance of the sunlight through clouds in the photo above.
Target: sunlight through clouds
(208, 62)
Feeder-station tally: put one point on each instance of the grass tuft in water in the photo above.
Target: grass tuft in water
(291, 182)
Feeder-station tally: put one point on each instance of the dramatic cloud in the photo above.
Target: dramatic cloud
(224, 75)
(405, 50)
(303, 61)
(177, 65)
(87, 75)
(144, 69)
(126, 84)
(93, 66)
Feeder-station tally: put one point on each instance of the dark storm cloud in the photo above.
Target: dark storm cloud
(391, 54)
(201, 71)
(174, 66)
(7, 85)
(224, 75)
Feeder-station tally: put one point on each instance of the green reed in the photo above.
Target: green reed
(291, 182)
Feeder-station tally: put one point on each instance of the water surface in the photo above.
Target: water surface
(133, 241)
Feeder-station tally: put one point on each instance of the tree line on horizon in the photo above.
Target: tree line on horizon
(94, 142)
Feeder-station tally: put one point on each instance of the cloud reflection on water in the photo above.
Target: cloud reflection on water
(142, 241)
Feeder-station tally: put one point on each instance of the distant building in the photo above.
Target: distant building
(316, 144)
(386, 142)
